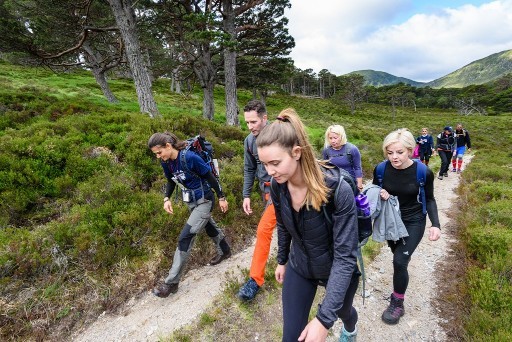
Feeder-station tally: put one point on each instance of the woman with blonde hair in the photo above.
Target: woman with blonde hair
(400, 180)
(343, 154)
(317, 232)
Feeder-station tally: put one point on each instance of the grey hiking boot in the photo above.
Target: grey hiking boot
(219, 258)
(164, 290)
(440, 177)
(248, 291)
(345, 336)
(394, 311)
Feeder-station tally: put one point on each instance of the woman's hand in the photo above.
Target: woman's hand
(168, 206)
(280, 270)
(384, 194)
(223, 204)
(434, 234)
(314, 332)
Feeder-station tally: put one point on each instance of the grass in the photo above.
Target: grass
(81, 222)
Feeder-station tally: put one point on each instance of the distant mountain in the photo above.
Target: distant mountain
(481, 71)
(381, 78)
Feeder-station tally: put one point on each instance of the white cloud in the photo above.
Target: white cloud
(344, 37)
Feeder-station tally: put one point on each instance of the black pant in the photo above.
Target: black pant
(298, 295)
(402, 252)
(425, 155)
(446, 158)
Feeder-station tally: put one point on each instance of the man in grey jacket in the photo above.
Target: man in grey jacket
(255, 115)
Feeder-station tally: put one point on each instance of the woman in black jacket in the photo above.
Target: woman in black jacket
(445, 148)
(311, 251)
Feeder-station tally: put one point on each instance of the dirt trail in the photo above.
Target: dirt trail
(149, 318)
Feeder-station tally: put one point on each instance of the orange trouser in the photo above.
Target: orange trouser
(262, 248)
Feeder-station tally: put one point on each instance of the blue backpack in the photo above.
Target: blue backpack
(421, 177)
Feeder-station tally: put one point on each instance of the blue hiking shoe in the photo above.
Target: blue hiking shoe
(248, 291)
(345, 336)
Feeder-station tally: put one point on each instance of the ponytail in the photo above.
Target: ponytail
(288, 131)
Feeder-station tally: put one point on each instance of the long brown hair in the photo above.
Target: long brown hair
(288, 131)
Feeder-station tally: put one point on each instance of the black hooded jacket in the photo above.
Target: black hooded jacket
(316, 250)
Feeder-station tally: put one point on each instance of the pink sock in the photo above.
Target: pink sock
(398, 295)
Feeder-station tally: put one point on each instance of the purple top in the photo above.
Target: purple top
(347, 158)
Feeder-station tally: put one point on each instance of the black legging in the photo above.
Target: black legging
(425, 155)
(402, 251)
(446, 158)
(297, 297)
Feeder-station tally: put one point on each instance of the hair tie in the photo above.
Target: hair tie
(280, 118)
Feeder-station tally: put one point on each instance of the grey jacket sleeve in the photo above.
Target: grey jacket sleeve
(345, 239)
(250, 168)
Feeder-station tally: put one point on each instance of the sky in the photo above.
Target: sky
(421, 40)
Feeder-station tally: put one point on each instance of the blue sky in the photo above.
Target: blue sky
(418, 39)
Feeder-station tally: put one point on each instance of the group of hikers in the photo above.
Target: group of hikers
(313, 207)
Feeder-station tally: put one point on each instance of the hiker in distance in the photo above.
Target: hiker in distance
(445, 145)
(255, 115)
(342, 153)
(195, 181)
(426, 144)
(313, 249)
(463, 140)
(400, 180)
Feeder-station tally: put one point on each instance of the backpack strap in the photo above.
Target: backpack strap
(421, 178)
(183, 161)
(381, 167)
(349, 153)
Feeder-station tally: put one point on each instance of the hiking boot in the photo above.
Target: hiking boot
(164, 290)
(445, 174)
(345, 336)
(394, 311)
(454, 170)
(440, 177)
(248, 291)
(219, 257)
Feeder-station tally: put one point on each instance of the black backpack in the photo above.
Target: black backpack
(204, 149)
(364, 223)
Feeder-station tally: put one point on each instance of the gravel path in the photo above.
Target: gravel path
(149, 318)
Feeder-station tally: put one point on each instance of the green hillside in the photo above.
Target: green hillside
(482, 71)
(478, 72)
(381, 78)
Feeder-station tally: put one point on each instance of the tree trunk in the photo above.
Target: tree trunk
(125, 19)
(230, 65)
(208, 104)
(205, 72)
(94, 61)
(101, 79)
